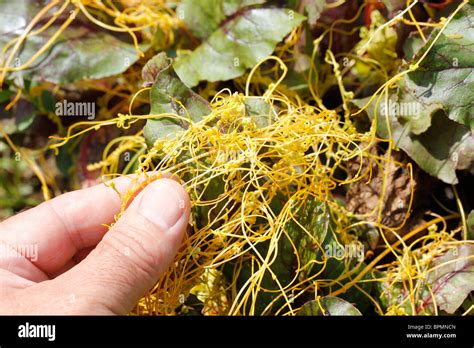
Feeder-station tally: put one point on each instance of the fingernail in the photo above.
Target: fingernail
(163, 202)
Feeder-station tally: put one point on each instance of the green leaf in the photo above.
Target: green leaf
(440, 88)
(19, 118)
(169, 95)
(261, 112)
(25, 122)
(294, 244)
(444, 78)
(337, 268)
(15, 15)
(314, 216)
(413, 114)
(48, 102)
(203, 17)
(452, 278)
(392, 294)
(394, 5)
(313, 8)
(232, 6)
(412, 45)
(5, 95)
(80, 52)
(237, 45)
(66, 159)
(328, 306)
(470, 225)
(446, 146)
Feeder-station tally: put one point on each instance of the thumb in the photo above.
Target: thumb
(135, 252)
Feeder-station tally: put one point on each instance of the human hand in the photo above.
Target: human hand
(79, 268)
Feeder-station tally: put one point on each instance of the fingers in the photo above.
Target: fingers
(135, 252)
(59, 228)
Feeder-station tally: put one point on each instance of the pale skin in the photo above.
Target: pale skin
(82, 268)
